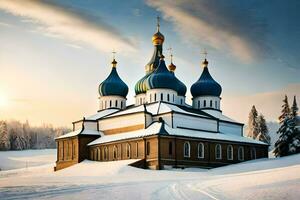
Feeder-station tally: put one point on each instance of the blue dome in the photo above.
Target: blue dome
(162, 78)
(181, 88)
(206, 85)
(141, 85)
(113, 84)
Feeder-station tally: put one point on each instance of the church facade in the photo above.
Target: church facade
(160, 130)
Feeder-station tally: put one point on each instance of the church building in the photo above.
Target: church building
(160, 130)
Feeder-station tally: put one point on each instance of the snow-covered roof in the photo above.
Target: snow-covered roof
(219, 115)
(154, 109)
(156, 128)
(102, 113)
(80, 132)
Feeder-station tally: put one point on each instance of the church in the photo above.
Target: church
(160, 130)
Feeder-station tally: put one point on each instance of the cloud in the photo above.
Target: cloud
(267, 103)
(75, 46)
(216, 24)
(56, 21)
(5, 24)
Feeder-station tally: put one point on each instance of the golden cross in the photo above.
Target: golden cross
(158, 25)
(171, 53)
(114, 53)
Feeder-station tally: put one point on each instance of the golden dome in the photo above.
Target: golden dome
(158, 38)
(172, 67)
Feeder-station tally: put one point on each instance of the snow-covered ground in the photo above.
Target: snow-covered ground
(260, 179)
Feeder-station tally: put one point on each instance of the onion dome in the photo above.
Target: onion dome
(158, 38)
(162, 78)
(141, 85)
(181, 90)
(113, 84)
(206, 85)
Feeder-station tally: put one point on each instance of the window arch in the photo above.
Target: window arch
(110, 103)
(99, 154)
(218, 151)
(137, 149)
(121, 104)
(155, 97)
(210, 104)
(128, 150)
(105, 153)
(95, 154)
(241, 153)
(229, 152)
(173, 98)
(253, 153)
(170, 148)
(181, 102)
(216, 104)
(168, 97)
(204, 103)
(161, 96)
(186, 149)
(148, 148)
(115, 152)
(200, 150)
(198, 104)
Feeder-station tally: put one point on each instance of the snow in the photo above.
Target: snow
(80, 132)
(26, 158)
(277, 178)
(155, 127)
(101, 114)
(219, 115)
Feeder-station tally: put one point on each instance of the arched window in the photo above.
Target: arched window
(121, 104)
(168, 97)
(229, 152)
(201, 150)
(218, 151)
(137, 150)
(170, 148)
(110, 103)
(105, 153)
(115, 152)
(155, 97)
(253, 153)
(148, 148)
(198, 104)
(99, 154)
(95, 154)
(128, 150)
(210, 103)
(204, 103)
(173, 98)
(241, 153)
(161, 96)
(216, 104)
(116, 103)
(181, 102)
(186, 150)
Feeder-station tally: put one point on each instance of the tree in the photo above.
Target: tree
(294, 108)
(285, 112)
(263, 130)
(253, 129)
(4, 138)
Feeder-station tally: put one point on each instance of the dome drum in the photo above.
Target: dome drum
(207, 102)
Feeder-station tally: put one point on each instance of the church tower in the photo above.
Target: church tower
(206, 91)
(113, 91)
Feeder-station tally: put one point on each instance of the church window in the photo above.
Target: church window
(74, 150)
(198, 104)
(216, 104)
(181, 101)
(116, 103)
(173, 98)
(200, 150)
(229, 152)
(168, 97)
(128, 150)
(161, 96)
(241, 153)
(99, 154)
(204, 103)
(115, 152)
(110, 104)
(154, 97)
(170, 148)
(186, 150)
(95, 154)
(105, 153)
(210, 103)
(253, 153)
(148, 148)
(121, 104)
(218, 151)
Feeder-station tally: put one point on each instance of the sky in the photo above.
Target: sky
(54, 54)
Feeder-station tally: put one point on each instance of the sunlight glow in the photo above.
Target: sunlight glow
(3, 100)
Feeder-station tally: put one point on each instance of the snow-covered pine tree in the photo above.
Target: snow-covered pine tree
(294, 108)
(253, 129)
(263, 130)
(4, 138)
(285, 112)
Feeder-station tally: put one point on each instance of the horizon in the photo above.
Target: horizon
(54, 55)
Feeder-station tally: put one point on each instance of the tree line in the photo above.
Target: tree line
(15, 135)
(289, 131)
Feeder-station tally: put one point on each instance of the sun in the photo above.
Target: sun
(3, 100)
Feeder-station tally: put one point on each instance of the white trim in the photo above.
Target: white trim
(216, 155)
(189, 150)
(231, 153)
(202, 149)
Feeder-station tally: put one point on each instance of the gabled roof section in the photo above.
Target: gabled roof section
(82, 131)
(102, 113)
(219, 115)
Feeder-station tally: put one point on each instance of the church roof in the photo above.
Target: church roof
(160, 128)
(102, 113)
(82, 131)
(206, 85)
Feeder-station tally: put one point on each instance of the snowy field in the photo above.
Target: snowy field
(260, 179)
